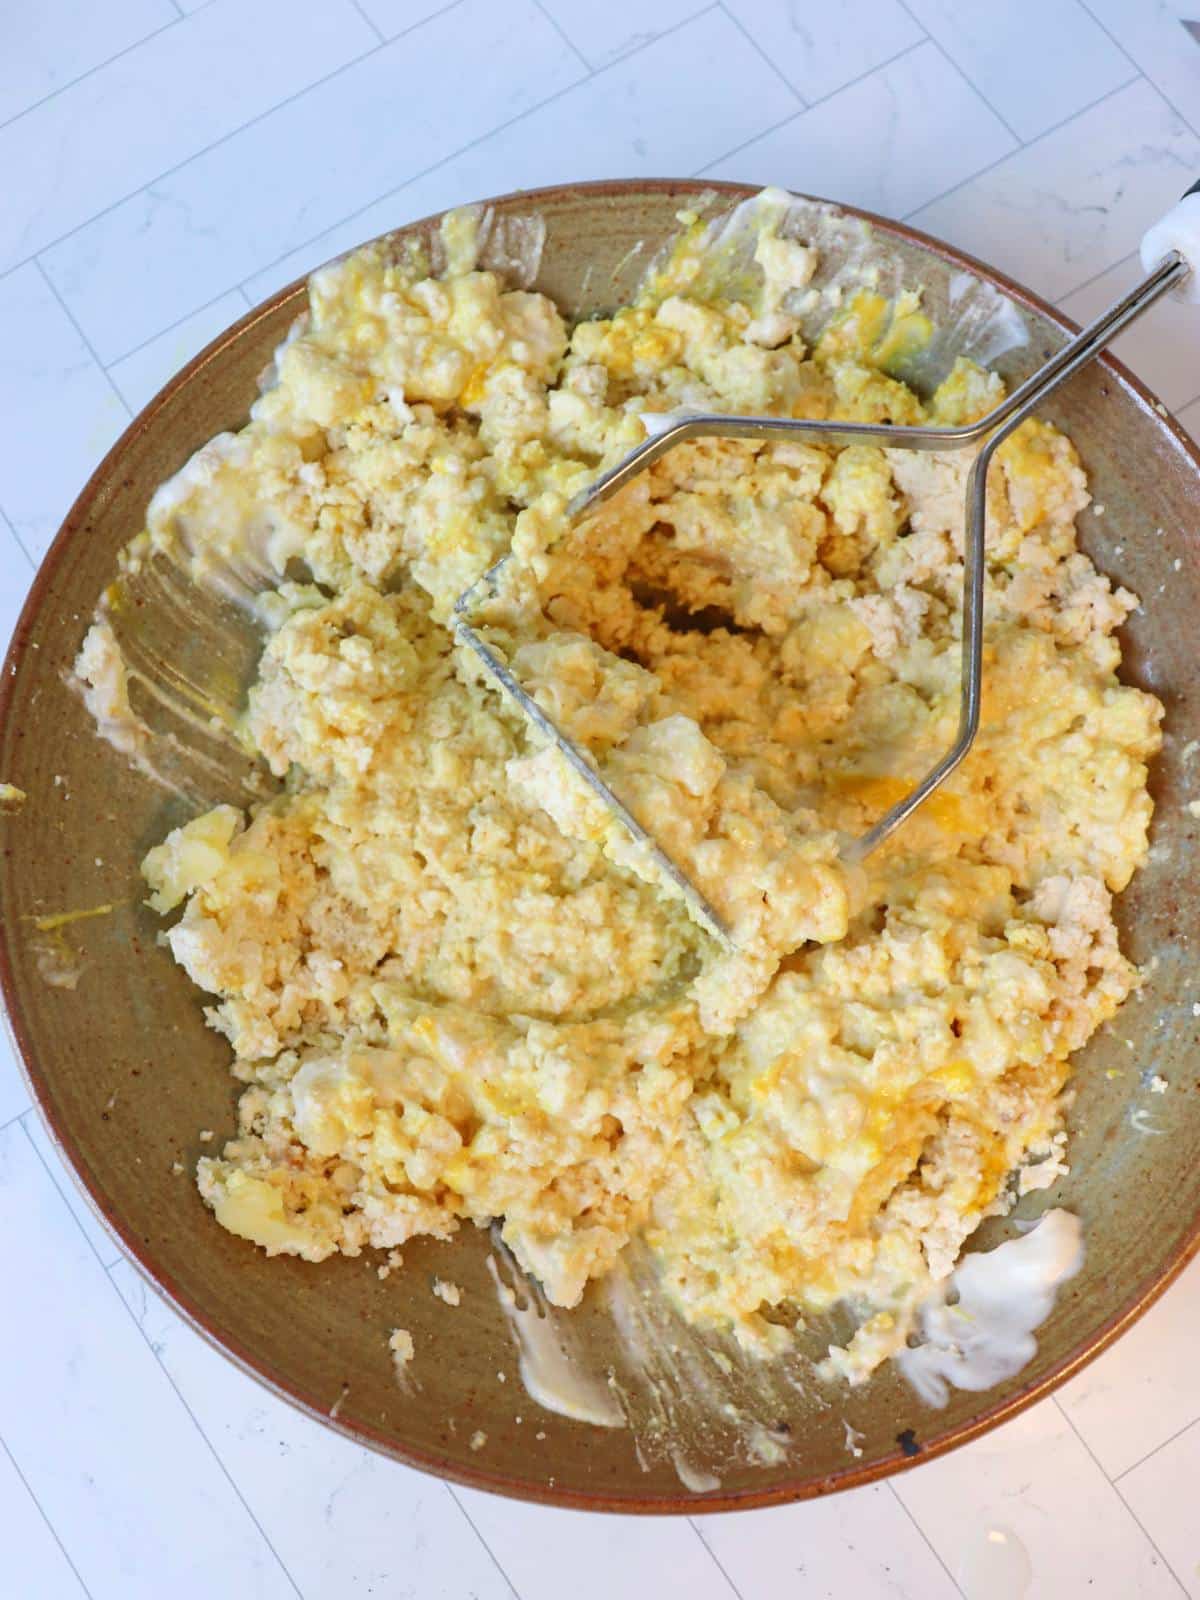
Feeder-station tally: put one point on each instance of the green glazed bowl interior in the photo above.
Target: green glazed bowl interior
(127, 1075)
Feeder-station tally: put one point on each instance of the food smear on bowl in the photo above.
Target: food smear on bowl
(453, 990)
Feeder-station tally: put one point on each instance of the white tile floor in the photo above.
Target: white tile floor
(167, 164)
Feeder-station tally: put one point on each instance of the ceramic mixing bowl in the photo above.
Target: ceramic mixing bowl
(127, 1075)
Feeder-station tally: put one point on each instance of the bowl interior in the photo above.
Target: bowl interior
(128, 1076)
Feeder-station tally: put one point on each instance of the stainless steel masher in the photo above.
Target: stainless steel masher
(1171, 256)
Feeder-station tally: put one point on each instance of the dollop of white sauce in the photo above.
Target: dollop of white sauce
(657, 423)
(693, 1478)
(1003, 1295)
(550, 1375)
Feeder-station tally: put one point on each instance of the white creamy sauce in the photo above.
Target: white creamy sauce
(660, 422)
(1003, 1295)
(551, 1375)
(987, 323)
(692, 1478)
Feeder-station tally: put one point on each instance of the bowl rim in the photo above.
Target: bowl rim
(37, 1082)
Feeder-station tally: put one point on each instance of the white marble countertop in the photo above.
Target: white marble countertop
(168, 162)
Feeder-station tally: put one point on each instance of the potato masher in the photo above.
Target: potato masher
(1170, 254)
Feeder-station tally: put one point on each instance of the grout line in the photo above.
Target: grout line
(394, 194)
(1009, 155)
(105, 1266)
(375, 29)
(70, 316)
(811, 106)
(1192, 127)
(41, 1512)
(178, 8)
(934, 1551)
(196, 1423)
(761, 53)
(972, 85)
(565, 37)
(170, 328)
(692, 1523)
(1134, 63)
(8, 523)
(453, 1493)
(240, 287)
(16, 1117)
(746, 143)
(108, 1271)
(1054, 1401)
(1096, 276)
(61, 88)
(1141, 1460)
(880, 66)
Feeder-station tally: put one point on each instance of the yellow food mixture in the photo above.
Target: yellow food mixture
(454, 990)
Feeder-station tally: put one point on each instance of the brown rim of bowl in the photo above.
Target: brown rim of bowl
(853, 1476)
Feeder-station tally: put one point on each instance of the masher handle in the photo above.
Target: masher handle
(1179, 233)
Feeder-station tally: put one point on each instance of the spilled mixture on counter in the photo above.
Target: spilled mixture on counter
(454, 990)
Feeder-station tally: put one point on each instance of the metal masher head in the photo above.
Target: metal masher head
(989, 432)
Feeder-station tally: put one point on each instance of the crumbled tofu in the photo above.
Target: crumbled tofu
(478, 1439)
(401, 1343)
(454, 989)
(393, 1263)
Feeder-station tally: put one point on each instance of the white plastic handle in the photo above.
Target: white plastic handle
(1178, 230)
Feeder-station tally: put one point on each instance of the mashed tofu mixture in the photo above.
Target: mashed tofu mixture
(453, 989)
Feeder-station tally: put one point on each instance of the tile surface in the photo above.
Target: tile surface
(1036, 62)
(60, 408)
(1162, 1495)
(168, 162)
(899, 156)
(140, 1503)
(1077, 201)
(1152, 35)
(1145, 1387)
(821, 48)
(862, 1543)
(343, 1520)
(47, 46)
(601, 33)
(88, 147)
(536, 1546)
(1033, 1483)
